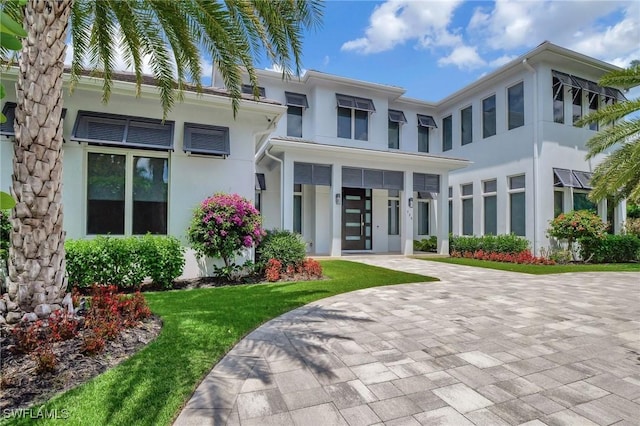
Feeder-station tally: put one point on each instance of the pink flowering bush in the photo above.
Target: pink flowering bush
(223, 225)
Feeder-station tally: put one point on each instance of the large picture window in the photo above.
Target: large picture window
(517, 205)
(126, 194)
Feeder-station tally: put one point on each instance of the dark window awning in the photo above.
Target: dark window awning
(248, 89)
(424, 182)
(352, 102)
(261, 183)
(372, 179)
(590, 86)
(422, 195)
(397, 116)
(426, 121)
(9, 111)
(296, 99)
(572, 178)
(311, 174)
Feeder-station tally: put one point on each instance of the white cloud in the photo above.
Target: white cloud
(326, 60)
(463, 57)
(398, 21)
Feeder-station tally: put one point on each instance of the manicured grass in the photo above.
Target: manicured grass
(200, 326)
(539, 269)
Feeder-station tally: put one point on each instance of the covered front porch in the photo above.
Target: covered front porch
(350, 200)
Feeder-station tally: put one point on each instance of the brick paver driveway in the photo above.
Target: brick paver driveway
(480, 347)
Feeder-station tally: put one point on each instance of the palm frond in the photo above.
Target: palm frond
(619, 174)
(625, 78)
(616, 134)
(610, 113)
(81, 22)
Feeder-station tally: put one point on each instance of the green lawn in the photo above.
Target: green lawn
(200, 326)
(539, 269)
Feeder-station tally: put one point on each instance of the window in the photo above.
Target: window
(353, 113)
(297, 208)
(489, 116)
(467, 209)
(581, 201)
(248, 89)
(423, 217)
(396, 119)
(447, 136)
(393, 214)
(489, 189)
(517, 205)
(515, 101)
(261, 185)
(466, 125)
(123, 130)
(425, 122)
(450, 209)
(207, 140)
(594, 100)
(9, 111)
(576, 94)
(296, 103)
(558, 203)
(558, 101)
(118, 206)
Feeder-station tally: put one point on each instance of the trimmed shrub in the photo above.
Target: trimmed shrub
(524, 257)
(124, 262)
(426, 244)
(285, 246)
(224, 225)
(610, 249)
(508, 243)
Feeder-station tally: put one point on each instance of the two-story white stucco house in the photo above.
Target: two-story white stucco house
(353, 166)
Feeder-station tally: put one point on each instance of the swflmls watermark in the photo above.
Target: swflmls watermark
(35, 413)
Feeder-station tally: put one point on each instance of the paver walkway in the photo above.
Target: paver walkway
(480, 347)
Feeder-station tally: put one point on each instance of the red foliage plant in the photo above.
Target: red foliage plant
(272, 271)
(524, 257)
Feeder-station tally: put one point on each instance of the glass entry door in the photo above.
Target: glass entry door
(356, 219)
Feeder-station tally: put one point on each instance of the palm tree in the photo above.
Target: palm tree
(172, 35)
(618, 176)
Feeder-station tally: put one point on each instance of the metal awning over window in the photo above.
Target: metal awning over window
(590, 86)
(572, 178)
(296, 99)
(311, 174)
(206, 139)
(352, 102)
(426, 121)
(248, 89)
(9, 111)
(372, 179)
(123, 130)
(261, 183)
(423, 182)
(427, 195)
(397, 116)
(564, 78)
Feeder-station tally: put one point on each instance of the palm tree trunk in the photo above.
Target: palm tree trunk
(36, 256)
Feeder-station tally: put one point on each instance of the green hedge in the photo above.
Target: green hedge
(125, 262)
(5, 229)
(287, 247)
(426, 244)
(510, 243)
(610, 249)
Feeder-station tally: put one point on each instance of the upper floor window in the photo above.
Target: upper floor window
(248, 89)
(9, 111)
(466, 125)
(558, 100)
(396, 119)
(515, 104)
(489, 116)
(123, 130)
(296, 103)
(425, 122)
(576, 94)
(447, 133)
(594, 104)
(353, 117)
(206, 139)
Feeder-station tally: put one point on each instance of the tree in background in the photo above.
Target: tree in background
(618, 176)
(172, 35)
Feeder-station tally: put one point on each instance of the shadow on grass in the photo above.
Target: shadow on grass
(200, 327)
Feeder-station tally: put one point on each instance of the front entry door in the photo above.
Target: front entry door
(356, 219)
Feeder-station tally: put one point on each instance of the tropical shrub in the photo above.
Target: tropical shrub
(633, 210)
(426, 244)
(632, 226)
(285, 246)
(5, 229)
(125, 262)
(523, 257)
(576, 224)
(308, 269)
(507, 243)
(610, 248)
(224, 225)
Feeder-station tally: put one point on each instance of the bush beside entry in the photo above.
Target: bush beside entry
(283, 245)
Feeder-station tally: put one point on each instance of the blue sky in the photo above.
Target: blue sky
(433, 48)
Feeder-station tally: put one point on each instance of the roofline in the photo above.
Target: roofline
(545, 46)
(447, 163)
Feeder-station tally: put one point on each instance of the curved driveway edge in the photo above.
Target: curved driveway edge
(480, 347)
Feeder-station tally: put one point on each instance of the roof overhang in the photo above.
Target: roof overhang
(282, 145)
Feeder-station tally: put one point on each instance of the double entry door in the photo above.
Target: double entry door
(356, 219)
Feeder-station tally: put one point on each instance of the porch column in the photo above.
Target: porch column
(287, 193)
(443, 215)
(406, 228)
(620, 216)
(335, 210)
